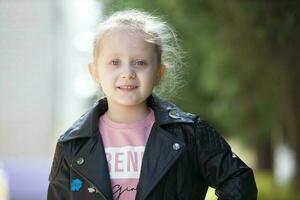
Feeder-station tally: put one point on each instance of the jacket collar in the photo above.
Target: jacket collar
(87, 124)
(163, 148)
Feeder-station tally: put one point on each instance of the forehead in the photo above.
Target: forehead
(122, 41)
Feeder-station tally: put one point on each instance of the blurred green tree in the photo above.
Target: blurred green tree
(242, 67)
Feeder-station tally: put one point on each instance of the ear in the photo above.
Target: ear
(160, 72)
(94, 72)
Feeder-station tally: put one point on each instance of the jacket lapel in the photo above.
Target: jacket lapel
(159, 156)
(160, 153)
(94, 168)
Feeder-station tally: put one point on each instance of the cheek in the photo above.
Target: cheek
(150, 78)
(155, 76)
(107, 78)
(102, 73)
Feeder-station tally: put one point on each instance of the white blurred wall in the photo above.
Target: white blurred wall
(45, 46)
(44, 85)
(27, 93)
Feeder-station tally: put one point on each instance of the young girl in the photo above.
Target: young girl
(134, 145)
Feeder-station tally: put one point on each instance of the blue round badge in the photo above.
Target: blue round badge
(76, 184)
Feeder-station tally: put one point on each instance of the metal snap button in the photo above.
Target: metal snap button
(91, 190)
(80, 161)
(174, 114)
(176, 146)
(233, 155)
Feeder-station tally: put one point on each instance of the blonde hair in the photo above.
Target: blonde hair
(154, 31)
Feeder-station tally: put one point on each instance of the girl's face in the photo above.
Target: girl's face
(127, 68)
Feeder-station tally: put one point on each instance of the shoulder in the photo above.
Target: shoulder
(197, 131)
(87, 125)
(169, 113)
(208, 137)
(75, 130)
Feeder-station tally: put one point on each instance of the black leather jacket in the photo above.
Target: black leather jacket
(183, 156)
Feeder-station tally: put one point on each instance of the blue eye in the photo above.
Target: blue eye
(115, 62)
(140, 63)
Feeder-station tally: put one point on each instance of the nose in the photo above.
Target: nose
(128, 72)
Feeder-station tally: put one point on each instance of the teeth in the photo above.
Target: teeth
(127, 87)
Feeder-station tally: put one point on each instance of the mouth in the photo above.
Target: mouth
(127, 87)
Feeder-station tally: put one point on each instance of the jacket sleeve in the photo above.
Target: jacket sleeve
(58, 188)
(220, 167)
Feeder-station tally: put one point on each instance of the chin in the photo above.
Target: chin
(131, 101)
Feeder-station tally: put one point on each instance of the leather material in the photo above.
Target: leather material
(183, 156)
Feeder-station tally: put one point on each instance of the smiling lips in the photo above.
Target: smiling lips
(127, 87)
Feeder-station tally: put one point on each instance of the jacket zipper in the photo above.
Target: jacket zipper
(97, 189)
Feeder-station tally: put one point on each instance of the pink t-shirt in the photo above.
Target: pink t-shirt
(124, 148)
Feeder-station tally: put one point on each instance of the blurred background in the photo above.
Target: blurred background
(241, 74)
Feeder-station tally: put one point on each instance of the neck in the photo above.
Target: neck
(127, 114)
